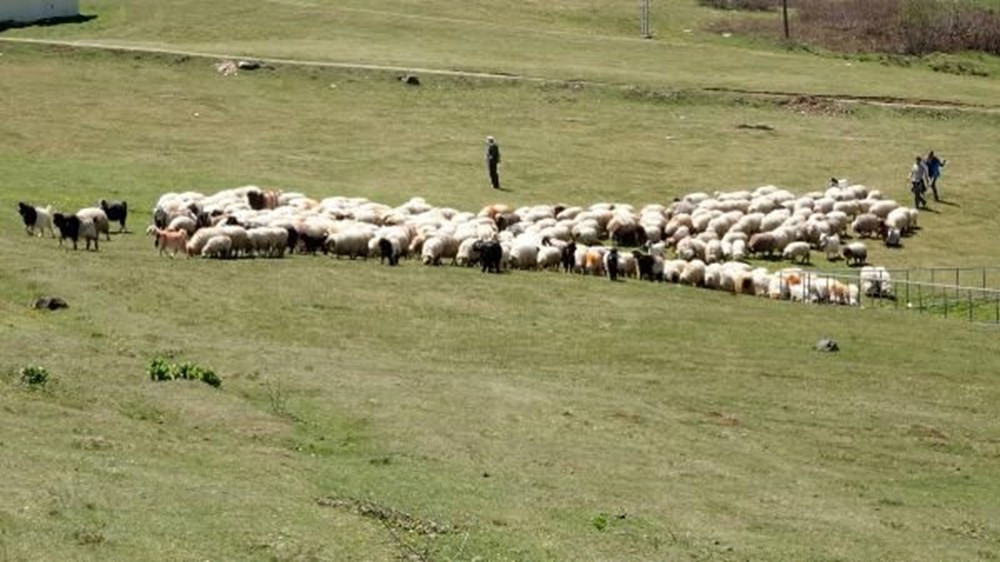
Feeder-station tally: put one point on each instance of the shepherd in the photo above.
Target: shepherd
(493, 161)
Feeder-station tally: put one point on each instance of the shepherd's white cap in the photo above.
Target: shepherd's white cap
(489, 138)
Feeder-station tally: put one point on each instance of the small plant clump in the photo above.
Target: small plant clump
(34, 376)
(160, 369)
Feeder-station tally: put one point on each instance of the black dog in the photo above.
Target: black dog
(490, 254)
(612, 264)
(568, 257)
(117, 211)
(645, 263)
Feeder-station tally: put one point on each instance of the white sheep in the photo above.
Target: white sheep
(797, 251)
(220, 246)
(98, 217)
(830, 245)
(693, 273)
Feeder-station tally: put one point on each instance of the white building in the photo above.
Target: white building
(25, 11)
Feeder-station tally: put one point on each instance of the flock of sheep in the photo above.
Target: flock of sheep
(699, 239)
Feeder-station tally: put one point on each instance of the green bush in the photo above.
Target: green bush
(160, 369)
(34, 376)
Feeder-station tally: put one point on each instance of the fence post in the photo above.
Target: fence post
(984, 278)
(945, 293)
(920, 299)
(996, 300)
(970, 305)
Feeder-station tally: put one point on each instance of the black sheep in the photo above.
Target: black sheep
(387, 252)
(117, 211)
(293, 239)
(72, 227)
(490, 255)
(568, 257)
(312, 243)
(611, 264)
(28, 214)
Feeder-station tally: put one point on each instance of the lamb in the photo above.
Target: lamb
(116, 211)
(220, 246)
(856, 253)
(197, 242)
(36, 219)
(797, 250)
(74, 228)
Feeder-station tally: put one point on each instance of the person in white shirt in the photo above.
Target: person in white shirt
(918, 182)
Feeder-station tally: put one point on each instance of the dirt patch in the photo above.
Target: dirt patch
(727, 420)
(813, 105)
(928, 432)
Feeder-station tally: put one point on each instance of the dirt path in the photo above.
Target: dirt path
(906, 103)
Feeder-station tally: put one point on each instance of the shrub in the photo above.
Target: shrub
(34, 376)
(162, 370)
(903, 27)
(911, 27)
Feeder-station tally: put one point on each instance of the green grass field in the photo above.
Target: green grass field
(369, 413)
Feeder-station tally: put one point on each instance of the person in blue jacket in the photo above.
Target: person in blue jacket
(934, 165)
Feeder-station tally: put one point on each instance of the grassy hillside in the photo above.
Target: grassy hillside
(369, 413)
(567, 39)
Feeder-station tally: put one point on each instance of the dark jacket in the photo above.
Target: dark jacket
(493, 153)
(934, 165)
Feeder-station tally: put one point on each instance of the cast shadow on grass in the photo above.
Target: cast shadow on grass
(82, 18)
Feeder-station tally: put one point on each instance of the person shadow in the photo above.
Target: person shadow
(948, 203)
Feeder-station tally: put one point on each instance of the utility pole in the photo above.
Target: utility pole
(645, 31)
(784, 17)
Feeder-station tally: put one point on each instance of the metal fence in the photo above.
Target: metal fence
(967, 293)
